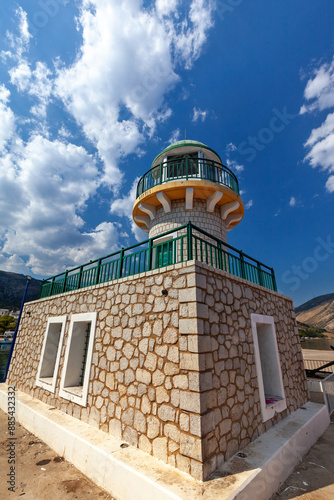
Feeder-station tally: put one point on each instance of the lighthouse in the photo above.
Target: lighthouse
(188, 182)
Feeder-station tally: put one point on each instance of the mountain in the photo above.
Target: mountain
(12, 287)
(318, 312)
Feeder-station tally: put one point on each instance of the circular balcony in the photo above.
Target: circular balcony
(187, 169)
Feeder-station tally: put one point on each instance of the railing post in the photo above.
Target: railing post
(80, 277)
(149, 257)
(189, 241)
(160, 175)
(65, 278)
(220, 262)
(53, 280)
(259, 271)
(121, 257)
(98, 271)
(41, 290)
(187, 168)
(274, 279)
(242, 265)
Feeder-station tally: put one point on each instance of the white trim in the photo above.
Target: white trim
(148, 209)
(212, 201)
(165, 201)
(49, 383)
(78, 394)
(226, 209)
(268, 411)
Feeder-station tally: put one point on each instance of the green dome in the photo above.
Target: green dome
(183, 144)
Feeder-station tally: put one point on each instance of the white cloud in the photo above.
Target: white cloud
(123, 208)
(293, 201)
(320, 91)
(7, 118)
(198, 114)
(175, 136)
(18, 44)
(330, 184)
(191, 35)
(51, 183)
(320, 88)
(20, 75)
(249, 204)
(230, 147)
(233, 165)
(166, 7)
(116, 91)
(134, 53)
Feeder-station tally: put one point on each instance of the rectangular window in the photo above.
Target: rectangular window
(268, 368)
(78, 357)
(50, 355)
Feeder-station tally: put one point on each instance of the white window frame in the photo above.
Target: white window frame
(49, 383)
(270, 363)
(77, 393)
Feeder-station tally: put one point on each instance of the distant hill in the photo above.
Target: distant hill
(318, 312)
(12, 287)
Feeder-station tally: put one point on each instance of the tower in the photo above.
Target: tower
(180, 344)
(188, 182)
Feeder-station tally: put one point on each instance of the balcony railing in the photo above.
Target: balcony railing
(188, 168)
(187, 242)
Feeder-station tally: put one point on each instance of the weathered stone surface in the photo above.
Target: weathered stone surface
(153, 355)
(153, 427)
(180, 381)
(190, 446)
(166, 413)
(190, 401)
(158, 378)
(160, 448)
(143, 376)
(170, 336)
(151, 361)
(162, 396)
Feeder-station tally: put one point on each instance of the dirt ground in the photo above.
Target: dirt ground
(42, 475)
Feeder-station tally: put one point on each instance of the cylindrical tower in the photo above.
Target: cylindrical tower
(188, 182)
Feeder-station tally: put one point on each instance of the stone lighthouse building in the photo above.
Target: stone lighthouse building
(188, 182)
(180, 345)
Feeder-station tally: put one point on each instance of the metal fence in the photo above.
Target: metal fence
(187, 168)
(186, 242)
(328, 390)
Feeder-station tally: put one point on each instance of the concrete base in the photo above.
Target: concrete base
(129, 473)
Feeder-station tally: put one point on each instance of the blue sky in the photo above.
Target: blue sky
(92, 90)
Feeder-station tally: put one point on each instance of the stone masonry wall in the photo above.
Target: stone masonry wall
(173, 375)
(228, 392)
(210, 222)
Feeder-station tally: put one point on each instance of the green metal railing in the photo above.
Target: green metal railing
(187, 243)
(187, 168)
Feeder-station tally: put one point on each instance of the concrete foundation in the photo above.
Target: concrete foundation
(128, 473)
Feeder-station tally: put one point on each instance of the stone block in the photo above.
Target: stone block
(160, 448)
(190, 401)
(166, 413)
(180, 382)
(153, 427)
(188, 295)
(190, 446)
